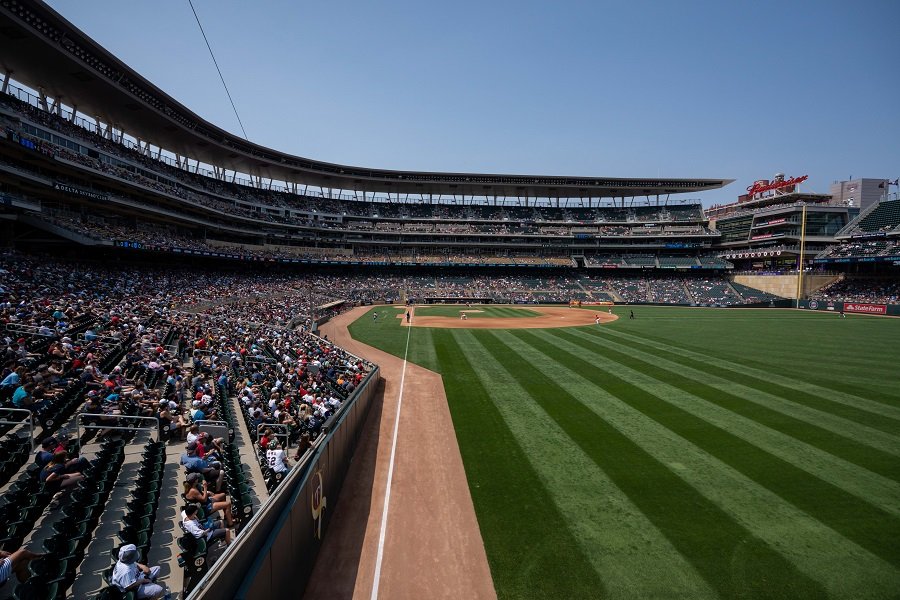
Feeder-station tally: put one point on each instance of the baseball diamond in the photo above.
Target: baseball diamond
(555, 368)
(654, 458)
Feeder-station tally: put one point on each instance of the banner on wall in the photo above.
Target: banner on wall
(869, 309)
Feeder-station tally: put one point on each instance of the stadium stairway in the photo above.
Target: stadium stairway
(687, 291)
(244, 442)
(97, 558)
(166, 528)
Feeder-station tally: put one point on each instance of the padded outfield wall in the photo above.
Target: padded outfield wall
(860, 308)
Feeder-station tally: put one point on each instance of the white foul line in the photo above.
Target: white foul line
(390, 475)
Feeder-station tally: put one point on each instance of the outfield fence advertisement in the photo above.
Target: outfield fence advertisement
(871, 309)
(862, 308)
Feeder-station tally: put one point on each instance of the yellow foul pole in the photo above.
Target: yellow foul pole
(802, 249)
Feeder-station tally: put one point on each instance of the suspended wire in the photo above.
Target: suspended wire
(215, 62)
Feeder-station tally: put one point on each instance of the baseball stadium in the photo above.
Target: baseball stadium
(233, 372)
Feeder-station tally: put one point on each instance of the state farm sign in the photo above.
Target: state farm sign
(870, 309)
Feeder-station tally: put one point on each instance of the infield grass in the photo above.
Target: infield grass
(480, 311)
(689, 453)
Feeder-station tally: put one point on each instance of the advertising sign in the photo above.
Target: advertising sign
(869, 309)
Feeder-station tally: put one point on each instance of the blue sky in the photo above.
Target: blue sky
(624, 89)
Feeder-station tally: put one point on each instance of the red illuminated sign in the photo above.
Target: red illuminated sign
(759, 187)
(870, 309)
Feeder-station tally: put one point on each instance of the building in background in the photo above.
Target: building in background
(861, 193)
(763, 229)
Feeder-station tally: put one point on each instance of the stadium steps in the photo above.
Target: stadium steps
(734, 291)
(97, 557)
(688, 293)
(246, 447)
(166, 528)
(615, 296)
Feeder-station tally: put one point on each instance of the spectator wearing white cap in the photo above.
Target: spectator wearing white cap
(131, 576)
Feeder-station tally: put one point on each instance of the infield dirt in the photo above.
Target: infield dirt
(550, 317)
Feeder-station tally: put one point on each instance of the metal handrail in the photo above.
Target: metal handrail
(29, 419)
(224, 424)
(273, 426)
(80, 427)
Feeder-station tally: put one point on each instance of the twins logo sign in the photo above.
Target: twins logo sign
(318, 503)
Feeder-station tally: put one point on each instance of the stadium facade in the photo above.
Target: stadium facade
(110, 150)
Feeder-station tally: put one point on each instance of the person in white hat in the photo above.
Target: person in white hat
(130, 575)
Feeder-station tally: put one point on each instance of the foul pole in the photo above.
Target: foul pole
(802, 248)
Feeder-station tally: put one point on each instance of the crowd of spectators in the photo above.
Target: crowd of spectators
(126, 162)
(175, 337)
(862, 289)
(861, 248)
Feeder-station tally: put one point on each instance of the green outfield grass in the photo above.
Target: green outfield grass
(486, 310)
(689, 453)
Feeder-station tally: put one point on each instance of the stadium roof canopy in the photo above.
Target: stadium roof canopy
(40, 48)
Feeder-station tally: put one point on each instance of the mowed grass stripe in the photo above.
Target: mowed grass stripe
(871, 487)
(805, 541)
(870, 527)
(788, 346)
(882, 407)
(761, 346)
(615, 535)
(876, 420)
(706, 535)
(869, 448)
(522, 529)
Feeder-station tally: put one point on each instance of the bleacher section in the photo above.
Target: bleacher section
(752, 295)
(873, 236)
(195, 213)
(883, 218)
(96, 363)
(711, 291)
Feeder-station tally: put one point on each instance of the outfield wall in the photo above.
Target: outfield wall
(860, 308)
(785, 285)
(276, 553)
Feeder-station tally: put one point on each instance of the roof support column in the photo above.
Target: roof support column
(5, 87)
(102, 128)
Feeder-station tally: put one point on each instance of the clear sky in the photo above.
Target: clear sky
(620, 88)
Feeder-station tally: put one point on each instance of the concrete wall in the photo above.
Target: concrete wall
(785, 285)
